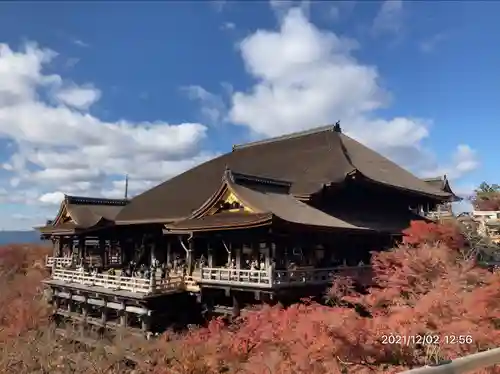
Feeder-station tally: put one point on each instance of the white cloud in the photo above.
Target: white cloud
(228, 26)
(317, 81)
(465, 160)
(281, 7)
(430, 44)
(338, 10)
(389, 18)
(218, 5)
(81, 43)
(213, 108)
(60, 147)
(52, 198)
(78, 97)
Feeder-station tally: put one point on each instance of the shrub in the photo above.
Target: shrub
(419, 288)
(421, 232)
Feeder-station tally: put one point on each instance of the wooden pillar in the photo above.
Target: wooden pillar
(169, 250)
(70, 301)
(102, 249)
(210, 255)
(82, 249)
(255, 246)
(59, 247)
(123, 316)
(238, 257)
(189, 259)
(85, 312)
(56, 301)
(272, 246)
(104, 313)
(123, 253)
(146, 325)
(55, 248)
(62, 242)
(236, 307)
(153, 253)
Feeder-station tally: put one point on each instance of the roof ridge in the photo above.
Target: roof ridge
(292, 135)
(440, 178)
(94, 200)
(236, 177)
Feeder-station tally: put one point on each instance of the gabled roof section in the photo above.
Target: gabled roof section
(442, 184)
(308, 160)
(79, 212)
(269, 201)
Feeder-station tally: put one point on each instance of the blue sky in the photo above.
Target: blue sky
(90, 91)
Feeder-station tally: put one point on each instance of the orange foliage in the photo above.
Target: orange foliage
(423, 287)
(21, 306)
(421, 232)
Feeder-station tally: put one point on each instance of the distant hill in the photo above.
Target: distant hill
(15, 237)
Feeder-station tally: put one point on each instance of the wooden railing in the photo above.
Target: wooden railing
(302, 276)
(116, 282)
(236, 276)
(174, 282)
(91, 260)
(462, 365)
(115, 260)
(314, 276)
(278, 278)
(59, 261)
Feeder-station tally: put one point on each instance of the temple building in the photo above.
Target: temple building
(445, 209)
(270, 221)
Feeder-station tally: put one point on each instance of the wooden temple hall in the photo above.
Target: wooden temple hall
(270, 221)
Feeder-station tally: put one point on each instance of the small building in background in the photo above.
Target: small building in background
(487, 223)
(443, 210)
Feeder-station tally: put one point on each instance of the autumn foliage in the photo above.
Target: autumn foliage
(421, 232)
(486, 197)
(422, 287)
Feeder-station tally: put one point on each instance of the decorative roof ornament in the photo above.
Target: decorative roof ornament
(228, 175)
(337, 128)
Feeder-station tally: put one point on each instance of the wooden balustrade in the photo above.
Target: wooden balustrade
(172, 283)
(278, 278)
(89, 260)
(261, 278)
(299, 276)
(115, 260)
(175, 282)
(116, 282)
(59, 261)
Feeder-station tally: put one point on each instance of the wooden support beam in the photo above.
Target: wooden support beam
(123, 315)
(85, 313)
(70, 303)
(100, 303)
(104, 313)
(236, 307)
(146, 326)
